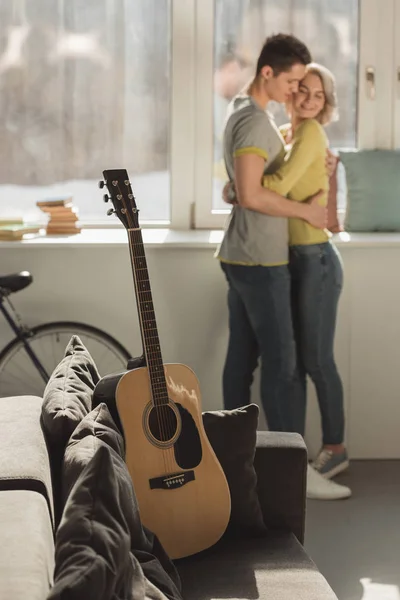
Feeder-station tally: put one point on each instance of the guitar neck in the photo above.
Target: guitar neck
(147, 318)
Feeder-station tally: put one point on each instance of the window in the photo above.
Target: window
(87, 85)
(84, 86)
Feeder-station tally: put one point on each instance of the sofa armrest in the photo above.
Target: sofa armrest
(24, 458)
(281, 466)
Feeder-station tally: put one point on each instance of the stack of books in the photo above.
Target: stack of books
(63, 216)
(15, 229)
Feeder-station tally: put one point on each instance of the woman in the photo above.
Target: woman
(315, 265)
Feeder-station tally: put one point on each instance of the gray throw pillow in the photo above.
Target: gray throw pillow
(68, 395)
(233, 436)
(93, 540)
(96, 429)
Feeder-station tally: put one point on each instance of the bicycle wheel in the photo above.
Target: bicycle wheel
(19, 375)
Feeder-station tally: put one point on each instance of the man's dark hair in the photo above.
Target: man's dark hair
(281, 52)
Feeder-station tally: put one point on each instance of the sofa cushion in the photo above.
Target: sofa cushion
(26, 546)
(233, 434)
(96, 429)
(68, 394)
(24, 460)
(273, 568)
(373, 190)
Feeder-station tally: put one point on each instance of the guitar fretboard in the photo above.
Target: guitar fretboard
(147, 317)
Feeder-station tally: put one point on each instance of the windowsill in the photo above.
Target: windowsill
(161, 238)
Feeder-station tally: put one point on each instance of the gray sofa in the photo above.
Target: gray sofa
(275, 567)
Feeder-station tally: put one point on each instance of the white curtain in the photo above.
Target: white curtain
(84, 86)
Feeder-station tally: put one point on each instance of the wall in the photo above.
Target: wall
(93, 283)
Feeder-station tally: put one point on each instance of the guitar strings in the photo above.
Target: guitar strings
(165, 416)
(132, 256)
(165, 421)
(169, 422)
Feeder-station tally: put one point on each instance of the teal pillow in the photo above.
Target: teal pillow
(373, 190)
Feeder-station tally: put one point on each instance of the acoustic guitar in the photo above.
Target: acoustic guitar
(181, 489)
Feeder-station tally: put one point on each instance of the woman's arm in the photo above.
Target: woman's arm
(331, 159)
(306, 147)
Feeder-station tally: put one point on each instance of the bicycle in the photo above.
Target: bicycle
(28, 360)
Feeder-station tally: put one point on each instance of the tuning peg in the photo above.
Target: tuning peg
(110, 212)
(102, 184)
(106, 198)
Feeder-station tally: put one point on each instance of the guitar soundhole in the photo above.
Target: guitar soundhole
(162, 423)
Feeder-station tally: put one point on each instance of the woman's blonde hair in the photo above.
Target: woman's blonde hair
(330, 111)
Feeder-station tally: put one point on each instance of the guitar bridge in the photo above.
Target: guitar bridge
(171, 482)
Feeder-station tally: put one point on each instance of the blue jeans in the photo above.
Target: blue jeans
(317, 279)
(260, 326)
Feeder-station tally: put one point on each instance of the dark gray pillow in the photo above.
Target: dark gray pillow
(233, 435)
(98, 430)
(68, 394)
(92, 556)
(95, 430)
(81, 449)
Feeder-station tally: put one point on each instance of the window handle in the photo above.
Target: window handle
(370, 79)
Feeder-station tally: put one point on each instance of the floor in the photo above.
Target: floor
(356, 543)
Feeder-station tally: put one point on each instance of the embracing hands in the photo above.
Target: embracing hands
(330, 162)
(229, 193)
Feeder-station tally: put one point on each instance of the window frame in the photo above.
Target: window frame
(204, 216)
(182, 113)
(396, 75)
(376, 50)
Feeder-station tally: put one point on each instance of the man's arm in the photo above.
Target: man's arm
(249, 170)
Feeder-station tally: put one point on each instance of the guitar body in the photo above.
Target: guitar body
(182, 491)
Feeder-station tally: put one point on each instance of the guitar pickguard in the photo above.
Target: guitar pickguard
(187, 448)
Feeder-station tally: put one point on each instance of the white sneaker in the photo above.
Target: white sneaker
(319, 488)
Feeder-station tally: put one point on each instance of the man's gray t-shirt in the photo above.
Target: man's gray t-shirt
(252, 238)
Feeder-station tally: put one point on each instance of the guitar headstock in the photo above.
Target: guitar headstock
(119, 188)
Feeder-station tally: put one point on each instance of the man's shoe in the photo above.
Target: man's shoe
(329, 464)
